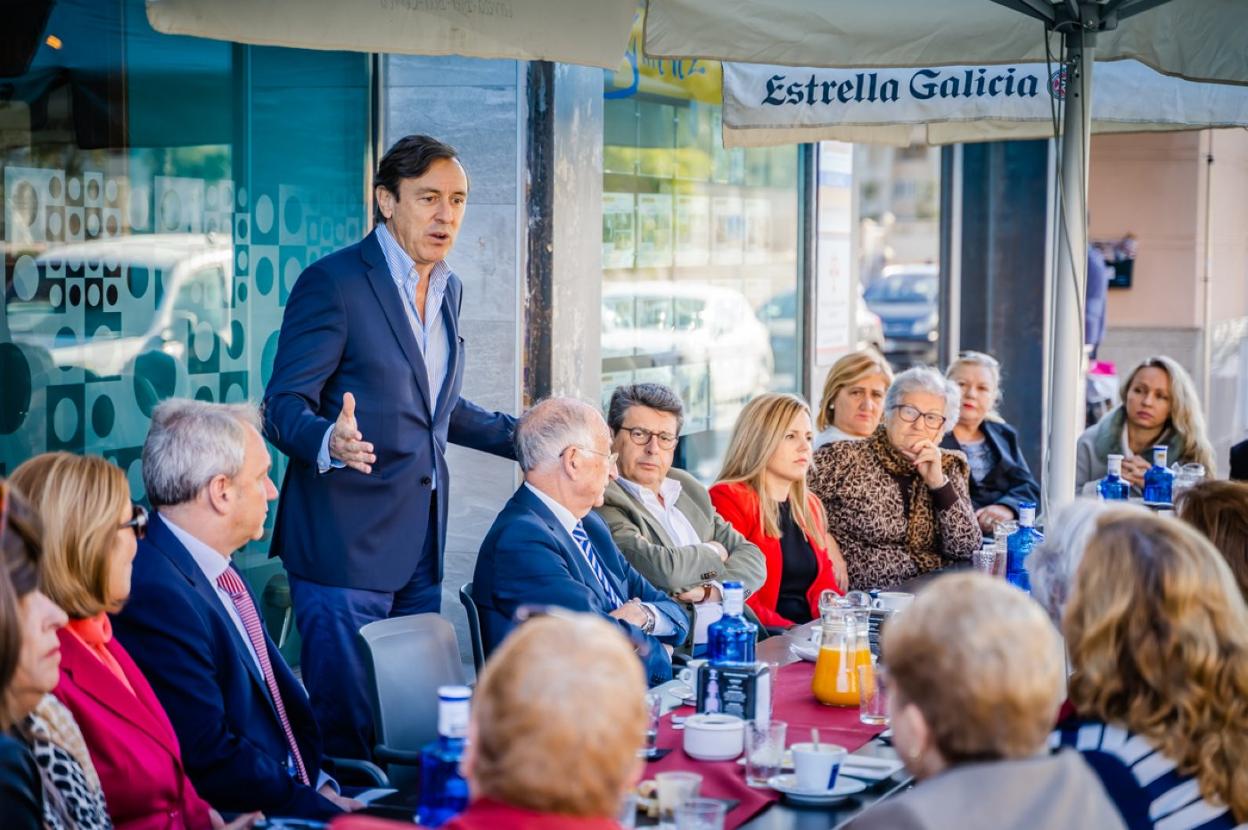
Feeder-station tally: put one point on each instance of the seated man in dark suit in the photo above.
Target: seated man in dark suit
(547, 547)
(1239, 461)
(246, 730)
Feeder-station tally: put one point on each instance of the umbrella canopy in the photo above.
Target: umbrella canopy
(1200, 40)
(769, 105)
(1197, 40)
(588, 32)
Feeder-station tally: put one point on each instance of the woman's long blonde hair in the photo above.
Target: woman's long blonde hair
(1158, 638)
(79, 499)
(844, 372)
(759, 430)
(1186, 416)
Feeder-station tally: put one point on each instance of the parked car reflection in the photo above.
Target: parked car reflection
(905, 298)
(167, 293)
(647, 324)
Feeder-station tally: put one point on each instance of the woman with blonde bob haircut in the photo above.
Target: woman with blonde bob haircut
(762, 493)
(91, 533)
(977, 675)
(853, 397)
(1158, 638)
(1159, 407)
(557, 719)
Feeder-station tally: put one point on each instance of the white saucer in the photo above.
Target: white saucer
(787, 784)
(862, 767)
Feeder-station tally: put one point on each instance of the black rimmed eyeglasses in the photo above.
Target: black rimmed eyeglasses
(138, 521)
(641, 437)
(910, 414)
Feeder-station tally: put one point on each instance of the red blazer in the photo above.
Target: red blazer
(484, 814)
(131, 741)
(737, 502)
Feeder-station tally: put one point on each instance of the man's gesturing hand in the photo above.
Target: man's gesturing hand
(346, 443)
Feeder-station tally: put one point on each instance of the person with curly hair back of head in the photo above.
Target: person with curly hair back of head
(977, 676)
(1158, 637)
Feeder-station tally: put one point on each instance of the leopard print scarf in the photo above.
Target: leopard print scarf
(922, 528)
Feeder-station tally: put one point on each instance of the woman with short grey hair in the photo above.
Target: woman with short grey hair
(1053, 562)
(897, 503)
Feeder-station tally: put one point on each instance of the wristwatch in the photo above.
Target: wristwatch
(648, 627)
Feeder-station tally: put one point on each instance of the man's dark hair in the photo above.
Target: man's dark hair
(409, 158)
(654, 395)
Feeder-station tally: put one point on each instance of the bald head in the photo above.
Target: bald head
(563, 446)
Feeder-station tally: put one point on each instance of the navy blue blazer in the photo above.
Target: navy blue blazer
(528, 558)
(1010, 480)
(189, 649)
(1239, 461)
(345, 329)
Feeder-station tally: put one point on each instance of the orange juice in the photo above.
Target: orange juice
(833, 683)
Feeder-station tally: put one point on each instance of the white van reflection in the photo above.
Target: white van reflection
(688, 324)
(196, 272)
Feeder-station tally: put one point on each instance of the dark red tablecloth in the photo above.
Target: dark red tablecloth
(793, 703)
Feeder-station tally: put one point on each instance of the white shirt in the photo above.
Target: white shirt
(662, 625)
(213, 564)
(681, 531)
(833, 433)
(674, 521)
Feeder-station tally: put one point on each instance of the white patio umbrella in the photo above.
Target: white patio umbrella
(1198, 40)
(588, 32)
(768, 105)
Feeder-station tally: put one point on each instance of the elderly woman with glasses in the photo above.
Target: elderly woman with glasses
(91, 533)
(897, 504)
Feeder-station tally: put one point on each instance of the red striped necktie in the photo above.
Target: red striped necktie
(230, 582)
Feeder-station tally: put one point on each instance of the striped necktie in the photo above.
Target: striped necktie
(587, 550)
(229, 582)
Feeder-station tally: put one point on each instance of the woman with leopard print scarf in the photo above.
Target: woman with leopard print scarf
(897, 504)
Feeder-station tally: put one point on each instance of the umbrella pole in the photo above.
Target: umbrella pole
(1067, 361)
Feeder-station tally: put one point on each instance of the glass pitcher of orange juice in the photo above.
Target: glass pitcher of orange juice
(843, 648)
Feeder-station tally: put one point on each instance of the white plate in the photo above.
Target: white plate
(787, 784)
(862, 767)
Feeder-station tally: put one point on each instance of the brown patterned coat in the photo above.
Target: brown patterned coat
(886, 533)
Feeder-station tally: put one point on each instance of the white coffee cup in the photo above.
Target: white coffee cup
(817, 766)
(892, 600)
(689, 674)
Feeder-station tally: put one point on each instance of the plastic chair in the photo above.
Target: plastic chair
(474, 625)
(407, 659)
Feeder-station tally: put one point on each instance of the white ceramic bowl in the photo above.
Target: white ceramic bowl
(714, 737)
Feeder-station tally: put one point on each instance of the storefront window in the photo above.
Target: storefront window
(160, 196)
(700, 266)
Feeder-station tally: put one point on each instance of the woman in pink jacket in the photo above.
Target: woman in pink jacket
(91, 531)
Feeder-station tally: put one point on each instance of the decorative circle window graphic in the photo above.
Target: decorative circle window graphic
(1057, 84)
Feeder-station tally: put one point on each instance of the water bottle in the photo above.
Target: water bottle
(443, 791)
(1113, 487)
(1019, 545)
(730, 639)
(1159, 481)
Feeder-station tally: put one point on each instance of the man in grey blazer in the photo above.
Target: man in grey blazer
(662, 519)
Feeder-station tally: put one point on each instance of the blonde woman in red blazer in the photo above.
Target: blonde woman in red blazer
(91, 532)
(762, 493)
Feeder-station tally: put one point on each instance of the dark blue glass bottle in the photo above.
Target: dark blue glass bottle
(1019, 545)
(730, 639)
(1113, 487)
(1159, 480)
(443, 790)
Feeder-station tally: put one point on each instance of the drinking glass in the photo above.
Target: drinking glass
(674, 789)
(628, 812)
(654, 711)
(872, 695)
(701, 814)
(985, 560)
(1001, 534)
(764, 750)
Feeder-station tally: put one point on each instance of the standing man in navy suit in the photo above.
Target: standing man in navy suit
(548, 547)
(364, 396)
(244, 724)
